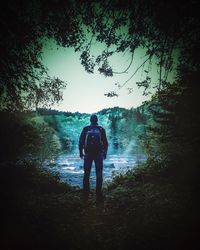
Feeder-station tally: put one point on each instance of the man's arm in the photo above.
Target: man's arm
(105, 142)
(81, 143)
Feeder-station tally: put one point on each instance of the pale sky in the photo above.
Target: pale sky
(85, 92)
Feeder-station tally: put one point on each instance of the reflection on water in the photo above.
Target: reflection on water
(70, 167)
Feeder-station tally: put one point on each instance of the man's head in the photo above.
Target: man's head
(93, 119)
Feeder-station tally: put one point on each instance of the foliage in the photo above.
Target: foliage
(155, 205)
(122, 27)
(119, 26)
(24, 82)
(24, 137)
(151, 212)
(150, 207)
(173, 132)
(15, 133)
(123, 127)
(141, 210)
(38, 209)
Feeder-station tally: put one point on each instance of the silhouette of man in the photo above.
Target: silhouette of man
(93, 146)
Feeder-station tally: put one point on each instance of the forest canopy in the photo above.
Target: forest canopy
(154, 205)
(159, 27)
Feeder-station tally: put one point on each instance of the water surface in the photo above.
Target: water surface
(70, 167)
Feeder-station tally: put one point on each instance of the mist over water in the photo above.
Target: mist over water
(122, 129)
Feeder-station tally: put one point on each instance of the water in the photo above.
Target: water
(70, 168)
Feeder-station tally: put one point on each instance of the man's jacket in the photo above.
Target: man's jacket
(83, 138)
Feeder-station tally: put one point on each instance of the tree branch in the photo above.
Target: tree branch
(125, 71)
(121, 86)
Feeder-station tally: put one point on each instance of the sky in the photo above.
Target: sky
(85, 92)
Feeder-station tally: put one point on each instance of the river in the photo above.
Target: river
(70, 167)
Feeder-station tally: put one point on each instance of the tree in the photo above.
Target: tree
(128, 25)
(120, 26)
(24, 81)
(172, 139)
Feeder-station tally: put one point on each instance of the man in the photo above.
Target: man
(93, 146)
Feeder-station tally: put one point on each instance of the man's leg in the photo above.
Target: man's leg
(99, 175)
(87, 169)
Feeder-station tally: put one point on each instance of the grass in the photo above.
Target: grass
(140, 211)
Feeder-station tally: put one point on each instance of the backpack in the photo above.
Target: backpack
(93, 141)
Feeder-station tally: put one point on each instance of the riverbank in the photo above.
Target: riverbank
(140, 211)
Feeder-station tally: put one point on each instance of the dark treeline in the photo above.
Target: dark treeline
(123, 127)
(155, 205)
(44, 133)
(151, 206)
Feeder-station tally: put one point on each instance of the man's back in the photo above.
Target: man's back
(93, 146)
(93, 139)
